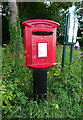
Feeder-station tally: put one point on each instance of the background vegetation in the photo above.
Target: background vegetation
(64, 89)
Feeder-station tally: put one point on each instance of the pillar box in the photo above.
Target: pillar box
(40, 43)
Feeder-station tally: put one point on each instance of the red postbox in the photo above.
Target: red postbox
(40, 43)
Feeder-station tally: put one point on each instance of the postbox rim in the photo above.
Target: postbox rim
(38, 21)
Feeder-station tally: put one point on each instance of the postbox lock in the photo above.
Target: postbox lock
(42, 37)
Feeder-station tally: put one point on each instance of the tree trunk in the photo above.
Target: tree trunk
(14, 13)
(16, 40)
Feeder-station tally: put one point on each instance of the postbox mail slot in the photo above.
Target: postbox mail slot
(42, 33)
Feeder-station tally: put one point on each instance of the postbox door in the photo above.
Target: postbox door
(43, 46)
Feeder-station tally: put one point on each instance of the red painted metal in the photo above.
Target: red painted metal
(40, 43)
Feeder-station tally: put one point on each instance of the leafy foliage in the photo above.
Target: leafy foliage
(15, 79)
(64, 93)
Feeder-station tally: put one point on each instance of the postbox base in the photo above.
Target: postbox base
(40, 66)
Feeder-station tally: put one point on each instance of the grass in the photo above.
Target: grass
(64, 89)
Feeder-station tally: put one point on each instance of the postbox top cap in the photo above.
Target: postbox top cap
(42, 21)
